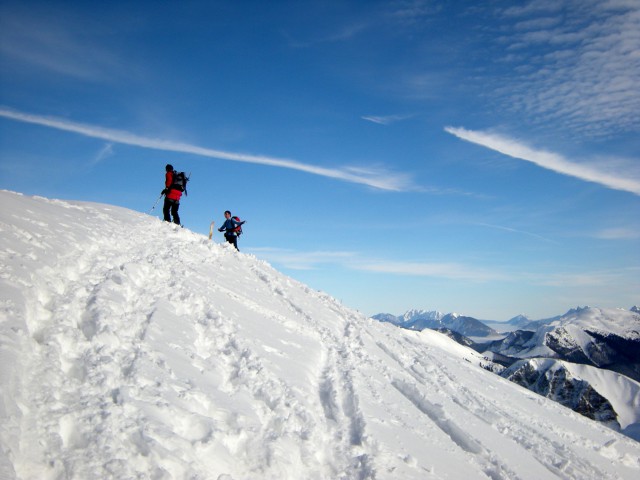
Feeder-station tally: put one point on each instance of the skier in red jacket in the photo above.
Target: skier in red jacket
(172, 197)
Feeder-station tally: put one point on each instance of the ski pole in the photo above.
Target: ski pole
(154, 205)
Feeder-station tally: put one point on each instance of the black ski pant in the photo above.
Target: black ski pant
(232, 239)
(171, 206)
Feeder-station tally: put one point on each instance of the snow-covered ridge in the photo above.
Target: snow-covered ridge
(606, 338)
(134, 349)
(620, 322)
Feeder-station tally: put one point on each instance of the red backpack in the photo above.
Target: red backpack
(238, 229)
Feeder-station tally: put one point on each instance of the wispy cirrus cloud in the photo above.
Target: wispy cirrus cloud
(54, 43)
(450, 271)
(310, 260)
(590, 278)
(373, 177)
(515, 230)
(556, 276)
(611, 174)
(621, 233)
(386, 119)
(297, 260)
(104, 153)
(573, 62)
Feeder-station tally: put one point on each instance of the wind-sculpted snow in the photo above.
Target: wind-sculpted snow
(132, 348)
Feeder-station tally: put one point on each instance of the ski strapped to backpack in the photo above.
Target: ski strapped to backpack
(238, 229)
(180, 180)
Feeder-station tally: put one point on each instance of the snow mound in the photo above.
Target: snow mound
(131, 348)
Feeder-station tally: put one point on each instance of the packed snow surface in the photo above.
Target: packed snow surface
(132, 348)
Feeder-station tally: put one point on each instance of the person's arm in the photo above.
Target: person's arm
(168, 180)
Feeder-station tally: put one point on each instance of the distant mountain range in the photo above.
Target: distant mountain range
(587, 359)
(434, 320)
(589, 336)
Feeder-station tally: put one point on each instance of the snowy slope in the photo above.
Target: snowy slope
(621, 391)
(131, 348)
(565, 382)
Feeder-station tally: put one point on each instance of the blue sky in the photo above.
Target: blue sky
(483, 159)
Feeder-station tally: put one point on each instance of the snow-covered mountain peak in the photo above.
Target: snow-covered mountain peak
(418, 314)
(577, 310)
(131, 348)
(624, 323)
(519, 319)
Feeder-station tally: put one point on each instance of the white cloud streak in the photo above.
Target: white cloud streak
(296, 260)
(617, 178)
(514, 230)
(378, 179)
(300, 260)
(603, 278)
(386, 119)
(622, 233)
(460, 272)
(450, 271)
(103, 154)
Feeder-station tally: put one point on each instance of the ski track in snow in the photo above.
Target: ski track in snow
(135, 349)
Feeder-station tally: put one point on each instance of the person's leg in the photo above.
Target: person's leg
(166, 208)
(232, 239)
(174, 212)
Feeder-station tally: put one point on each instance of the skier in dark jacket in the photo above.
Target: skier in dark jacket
(172, 197)
(229, 228)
